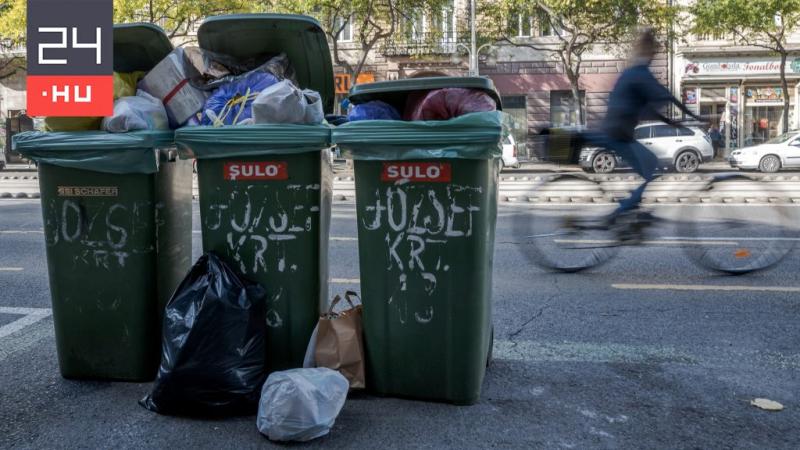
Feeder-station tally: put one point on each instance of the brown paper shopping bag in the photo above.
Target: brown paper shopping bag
(340, 345)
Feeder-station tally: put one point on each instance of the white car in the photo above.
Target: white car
(680, 148)
(771, 156)
(509, 153)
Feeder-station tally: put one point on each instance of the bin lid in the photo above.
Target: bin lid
(252, 35)
(139, 46)
(396, 92)
(99, 151)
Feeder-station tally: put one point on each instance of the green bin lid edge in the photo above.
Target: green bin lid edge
(300, 37)
(139, 46)
(395, 92)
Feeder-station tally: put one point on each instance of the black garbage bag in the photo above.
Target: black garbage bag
(213, 353)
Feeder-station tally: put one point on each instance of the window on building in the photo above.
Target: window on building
(415, 26)
(564, 109)
(448, 23)
(346, 25)
(520, 24)
(544, 26)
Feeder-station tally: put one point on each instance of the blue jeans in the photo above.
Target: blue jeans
(639, 157)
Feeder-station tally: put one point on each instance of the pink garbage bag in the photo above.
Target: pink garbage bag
(444, 104)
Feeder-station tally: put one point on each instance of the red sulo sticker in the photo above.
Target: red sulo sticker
(256, 170)
(416, 171)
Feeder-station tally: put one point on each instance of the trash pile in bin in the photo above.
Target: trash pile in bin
(436, 104)
(192, 86)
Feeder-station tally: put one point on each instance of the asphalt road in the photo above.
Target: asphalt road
(648, 351)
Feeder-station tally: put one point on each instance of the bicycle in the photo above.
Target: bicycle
(731, 223)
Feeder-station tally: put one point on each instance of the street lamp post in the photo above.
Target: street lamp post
(473, 54)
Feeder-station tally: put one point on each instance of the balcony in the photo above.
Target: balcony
(424, 44)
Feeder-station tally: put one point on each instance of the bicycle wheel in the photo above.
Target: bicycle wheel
(739, 225)
(564, 228)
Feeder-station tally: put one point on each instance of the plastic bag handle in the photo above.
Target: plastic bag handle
(338, 298)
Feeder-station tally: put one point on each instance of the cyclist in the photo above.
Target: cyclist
(637, 95)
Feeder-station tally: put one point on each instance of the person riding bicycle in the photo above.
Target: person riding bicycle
(637, 95)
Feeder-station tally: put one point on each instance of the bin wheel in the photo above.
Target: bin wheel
(491, 348)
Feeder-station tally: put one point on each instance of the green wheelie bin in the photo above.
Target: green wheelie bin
(117, 212)
(426, 202)
(265, 189)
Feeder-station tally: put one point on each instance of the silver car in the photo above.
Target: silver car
(678, 148)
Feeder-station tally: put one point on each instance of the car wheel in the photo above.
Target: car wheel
(769, 164)
(604, 162)
(687, 162)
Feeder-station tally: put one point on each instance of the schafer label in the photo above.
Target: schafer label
(416, 171)
(256, 170)
(88, 191)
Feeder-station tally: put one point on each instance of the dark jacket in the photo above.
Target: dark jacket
(637, 96)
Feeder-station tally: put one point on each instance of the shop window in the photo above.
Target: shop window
(564, 109)
(516, 107)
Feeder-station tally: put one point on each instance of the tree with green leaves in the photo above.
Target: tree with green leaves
(372, 21)
(575, 28)
(765, 24)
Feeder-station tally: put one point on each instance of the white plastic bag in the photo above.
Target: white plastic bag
(140, 112)
(301, 404)
(283, 102)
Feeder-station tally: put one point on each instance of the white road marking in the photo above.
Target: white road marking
(29, 317)
(728, 238)
(343, 238)
(593, 352)
(11, 269)
(655, 242)
(345, 280)
(21, 231)
(704, 287)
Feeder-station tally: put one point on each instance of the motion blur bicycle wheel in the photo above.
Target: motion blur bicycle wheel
(564, 228)
(739, 224)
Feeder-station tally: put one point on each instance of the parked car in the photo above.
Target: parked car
(509, 158)
(771, 156)
(678, 148)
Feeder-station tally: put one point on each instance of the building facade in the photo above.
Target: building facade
(534, 89)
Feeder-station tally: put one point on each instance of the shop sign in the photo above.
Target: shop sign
(739, 66)
(343, 81)
(764, 94)
(734, 95)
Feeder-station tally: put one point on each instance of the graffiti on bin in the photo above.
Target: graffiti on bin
(262, 222)
(418, 222)
(104, 232)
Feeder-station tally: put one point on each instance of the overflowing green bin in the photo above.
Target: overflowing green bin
(117, 221)
(426, 200)
(265, 190)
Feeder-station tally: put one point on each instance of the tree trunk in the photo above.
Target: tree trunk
(574, 82)
(785, 90)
